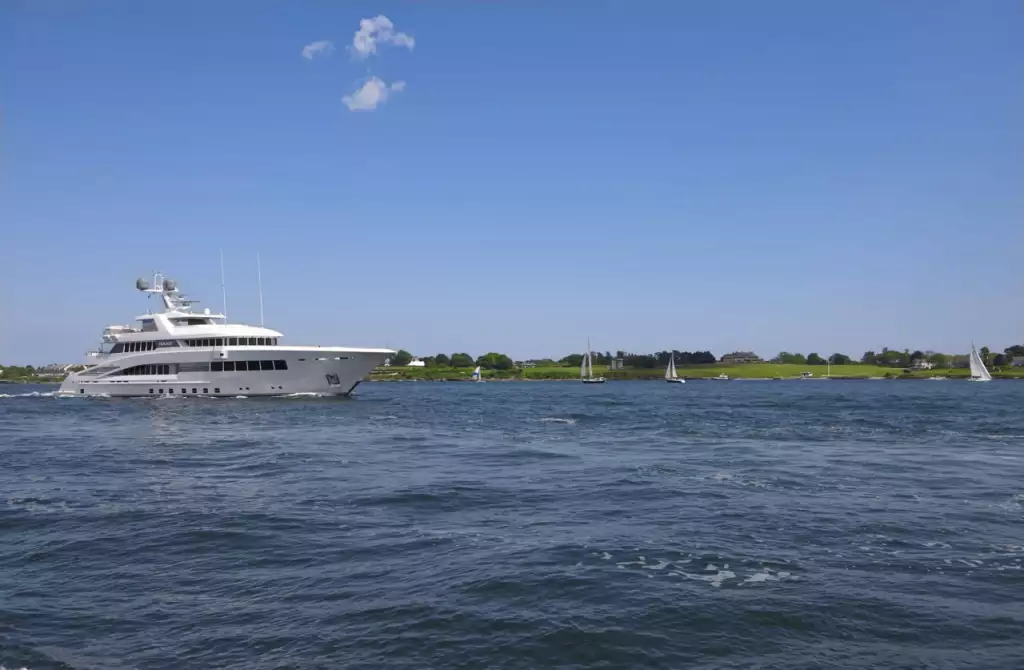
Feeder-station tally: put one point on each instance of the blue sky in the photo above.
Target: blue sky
(799, 175)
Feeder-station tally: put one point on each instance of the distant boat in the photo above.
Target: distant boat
(979, 373)
(722, 377)
(476, 374)
(587, 369)
(670, 372)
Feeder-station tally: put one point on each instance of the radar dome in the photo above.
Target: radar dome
(141, 284)
(170, 285)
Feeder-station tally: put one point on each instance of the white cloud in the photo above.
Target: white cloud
(378, 31)
(372, 93)
(318, 48)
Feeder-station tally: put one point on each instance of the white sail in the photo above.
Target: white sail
(583, 366)
(670, 371)
(476, 373)
(978, 369)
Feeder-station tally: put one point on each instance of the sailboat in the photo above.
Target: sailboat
(979, 373)
(587, 369)
(670, 372)
(476, 375)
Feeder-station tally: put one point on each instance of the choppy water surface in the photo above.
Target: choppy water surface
(711, 525)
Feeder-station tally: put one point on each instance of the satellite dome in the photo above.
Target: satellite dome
(141, 284)
(170, 285)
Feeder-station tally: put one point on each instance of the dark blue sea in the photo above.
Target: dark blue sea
(790, 525)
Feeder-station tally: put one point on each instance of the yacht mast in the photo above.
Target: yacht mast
(223, 287)
(259, 279)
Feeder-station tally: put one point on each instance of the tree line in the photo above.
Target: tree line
(885, 358)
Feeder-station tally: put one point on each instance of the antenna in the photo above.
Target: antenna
(223, 287)
(259, 279)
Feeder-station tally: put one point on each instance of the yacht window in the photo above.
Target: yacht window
(184, 391)
(252, 341)
(167, 370)
(219, 342)
(229, 366)
(266, 365)
(260, 342)
(233, 341)
(216, 390)
(117, 348)
(206, 391)
(148, 326)
(280, 365)
(161, 390)
(216, 366)
(150, 390)
(170, 390)
(193, 390)
(196, 322)
(254, 366)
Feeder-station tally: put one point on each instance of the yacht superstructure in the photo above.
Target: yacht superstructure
(179, 351)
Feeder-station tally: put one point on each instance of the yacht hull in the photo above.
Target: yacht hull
(316, 370)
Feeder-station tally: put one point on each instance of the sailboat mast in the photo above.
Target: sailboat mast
(590, 360)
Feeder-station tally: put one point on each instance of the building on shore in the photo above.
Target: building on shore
(737, 357)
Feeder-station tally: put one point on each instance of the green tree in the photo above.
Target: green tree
(790, 359)
(916, 356)
(442, 360)
(985, 353)
(815, 359)
(869, 358)
(495, 361)
(840, 359)
(461, 361)
(939, 360)
(1015, 350)
(572, 361)
(403, 357)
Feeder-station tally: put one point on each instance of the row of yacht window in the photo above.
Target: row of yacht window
(153, 345)
(233, 342)
(215, 366)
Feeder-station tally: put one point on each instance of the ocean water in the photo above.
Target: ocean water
(790, 525)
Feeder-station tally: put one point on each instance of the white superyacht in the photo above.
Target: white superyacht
(180, 352)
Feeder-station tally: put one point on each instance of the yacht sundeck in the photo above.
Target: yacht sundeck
(179, 351)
